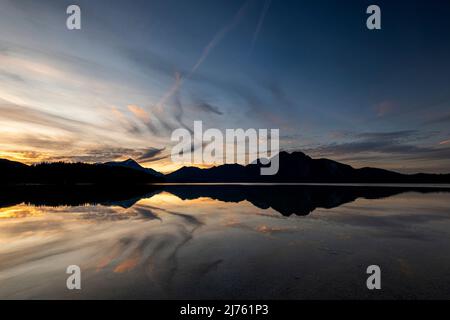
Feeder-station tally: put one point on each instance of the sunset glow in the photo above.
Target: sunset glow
(98, 94)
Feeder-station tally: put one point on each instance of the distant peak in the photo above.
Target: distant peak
(130, 161)
(292, 154)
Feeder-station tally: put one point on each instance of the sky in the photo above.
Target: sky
(137, 70)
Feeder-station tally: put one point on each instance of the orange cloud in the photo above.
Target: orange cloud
(27, 157)
(139, 112)
(127, 265)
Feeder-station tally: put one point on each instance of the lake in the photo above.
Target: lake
(225, 242)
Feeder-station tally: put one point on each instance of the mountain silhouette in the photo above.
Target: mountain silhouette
(296, 167)
(62, 173)
(130, 163)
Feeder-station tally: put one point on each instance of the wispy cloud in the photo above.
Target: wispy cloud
(217, 38)
(401, 149)
(143, 116)
(439, 120)
(204, 106)
(264, 10)
(12, 112)
(150, 154)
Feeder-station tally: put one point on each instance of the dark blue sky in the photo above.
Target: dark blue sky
(138, 69)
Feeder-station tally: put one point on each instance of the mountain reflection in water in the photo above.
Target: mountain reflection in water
(211, 241)
(286, 199)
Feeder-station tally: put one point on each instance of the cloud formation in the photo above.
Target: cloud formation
(151, 154)
(399, 150)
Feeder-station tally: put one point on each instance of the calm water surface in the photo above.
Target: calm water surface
(213, 242)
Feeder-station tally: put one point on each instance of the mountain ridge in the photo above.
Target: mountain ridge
(63, 173)
(297, 167)
(132, 164)
(294, 167)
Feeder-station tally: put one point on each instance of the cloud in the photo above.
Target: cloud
(39, 141)
(170, 93)
(12, 77)
(388, 147)
(217, 38)
(263, 110)
(279, 96)
(162, 117)
(206, 107)
(97, 154)
(139, 113)
(144, 116)
(439, 120)
(150, 62)
(150, 154)
(125, 122)
(264, 10)
(179, 112)
(372, 146)
(391, 135)
(220, 35)
(24, 114)
(100, 154)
